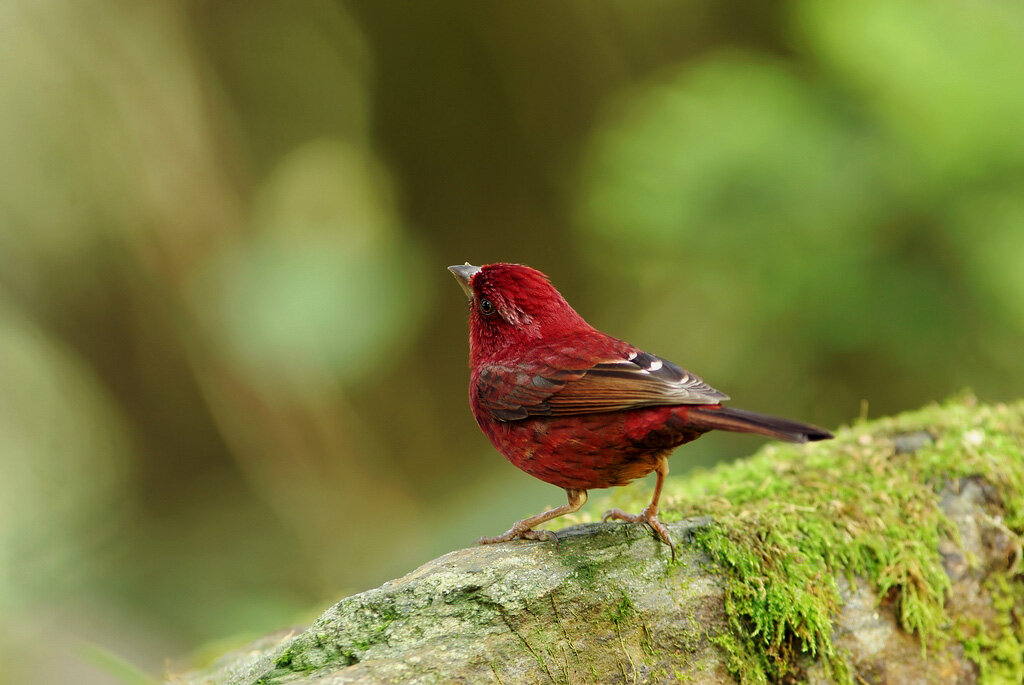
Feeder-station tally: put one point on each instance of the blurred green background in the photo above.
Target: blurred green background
(233, 363)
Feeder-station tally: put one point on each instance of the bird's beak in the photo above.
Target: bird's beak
(464, 274)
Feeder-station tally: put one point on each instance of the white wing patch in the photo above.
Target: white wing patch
(670, 382)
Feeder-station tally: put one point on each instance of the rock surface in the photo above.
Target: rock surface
(606, 603)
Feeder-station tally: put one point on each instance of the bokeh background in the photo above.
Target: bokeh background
(233, 365)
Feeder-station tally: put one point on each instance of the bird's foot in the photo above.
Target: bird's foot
(649, 516)
(518, 532)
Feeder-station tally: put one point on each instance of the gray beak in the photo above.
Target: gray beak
(464, 274)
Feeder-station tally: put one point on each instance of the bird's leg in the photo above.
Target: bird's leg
(524, 529)
(650, 514)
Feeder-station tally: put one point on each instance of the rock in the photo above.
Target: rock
(892, 554)
(605, 600)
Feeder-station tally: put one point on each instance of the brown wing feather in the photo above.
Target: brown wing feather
(638, 380)
(513, 393)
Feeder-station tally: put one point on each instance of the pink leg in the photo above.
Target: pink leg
(524, 529)
(650, 514)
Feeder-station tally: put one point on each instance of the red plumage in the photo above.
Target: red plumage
(577, 408)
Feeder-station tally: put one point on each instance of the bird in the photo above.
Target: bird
(578, 408)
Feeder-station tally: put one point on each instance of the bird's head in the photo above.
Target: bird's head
(510, 306)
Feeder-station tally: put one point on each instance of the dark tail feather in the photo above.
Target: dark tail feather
(740, 421)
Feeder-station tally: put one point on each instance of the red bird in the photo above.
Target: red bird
(578, 408)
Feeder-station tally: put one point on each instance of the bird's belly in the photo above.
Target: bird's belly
(592, 450)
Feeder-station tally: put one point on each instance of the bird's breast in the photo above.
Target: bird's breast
(590, 450)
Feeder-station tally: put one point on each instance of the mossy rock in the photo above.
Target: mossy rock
(890, 554)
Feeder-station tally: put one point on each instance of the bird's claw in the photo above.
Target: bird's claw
(516, 533)
(646, 516)
(619, 515)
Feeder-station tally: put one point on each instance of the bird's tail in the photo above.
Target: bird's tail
(741, 421)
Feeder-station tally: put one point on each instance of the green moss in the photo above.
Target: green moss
(585, 569)
(997, 646)
(620, 610)
(285, 660)
(741, 659)
(793, 518)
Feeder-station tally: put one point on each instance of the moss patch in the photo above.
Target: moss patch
(792, 518)
(997, 645)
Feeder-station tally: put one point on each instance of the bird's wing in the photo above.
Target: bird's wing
(637, 379)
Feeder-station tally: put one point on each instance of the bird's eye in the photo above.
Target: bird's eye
(486, 307)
